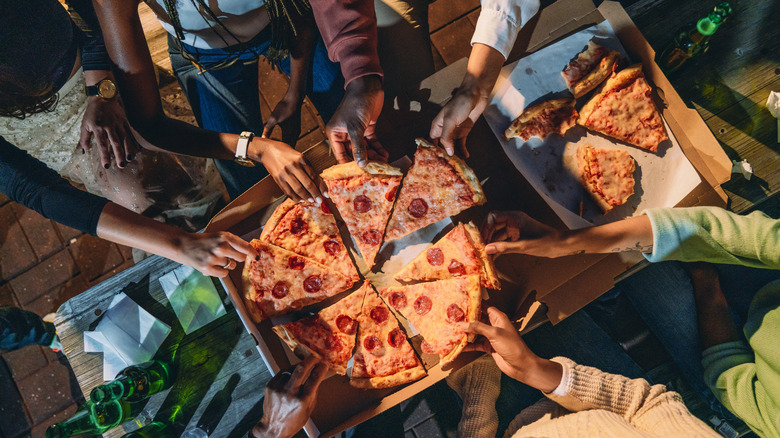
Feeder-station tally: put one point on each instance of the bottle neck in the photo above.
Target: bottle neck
(121, 387)
(707, 26)
(81, 422)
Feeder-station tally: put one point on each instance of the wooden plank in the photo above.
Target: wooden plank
(220, 375)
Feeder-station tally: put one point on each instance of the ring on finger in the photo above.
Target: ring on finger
(229, 265)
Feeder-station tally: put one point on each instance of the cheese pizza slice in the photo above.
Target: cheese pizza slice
(624, 109)
(437, 186)
(310, 230)
(280, 281)
(435, 307)
(329, 335)
(364, 197)
(550, 117)
(383, 357)
(459, 253)
(607, 174)
(589, 68)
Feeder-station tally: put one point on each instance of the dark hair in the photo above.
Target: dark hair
(20, 98)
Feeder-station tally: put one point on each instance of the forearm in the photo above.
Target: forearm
(300, 62)
(482, 71)
(716, 326)
(542, 374)
(632, 234)
(119, 225)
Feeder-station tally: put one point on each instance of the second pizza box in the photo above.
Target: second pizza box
(534, 289)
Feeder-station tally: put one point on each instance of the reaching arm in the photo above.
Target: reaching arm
(516, 232)
(137, 84)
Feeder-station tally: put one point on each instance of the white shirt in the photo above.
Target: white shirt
(244, 18)
(501, 20)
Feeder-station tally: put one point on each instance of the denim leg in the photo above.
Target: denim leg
(223, 100)
(580, 339)
(19, 328)
(663, 296)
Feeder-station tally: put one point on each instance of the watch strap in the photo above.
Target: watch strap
(243, 144)
(91, 90)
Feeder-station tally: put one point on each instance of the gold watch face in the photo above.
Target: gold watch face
(106, 89)
(244, 162)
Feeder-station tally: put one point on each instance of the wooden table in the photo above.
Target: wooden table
(729, 84)
(221, 376)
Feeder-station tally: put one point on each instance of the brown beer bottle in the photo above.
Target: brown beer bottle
(692, 40)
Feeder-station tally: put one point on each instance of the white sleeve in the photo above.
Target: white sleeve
(501, 20)
(565, 386)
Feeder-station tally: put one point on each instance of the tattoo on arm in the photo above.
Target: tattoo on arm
(636, 247)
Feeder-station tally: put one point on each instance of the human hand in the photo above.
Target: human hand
(516, 232)
(502, 341)
(289, 400)
(290, 170)
(454, 122)
(286, 114)
(213, 254)
(105, 120)
(351, 129)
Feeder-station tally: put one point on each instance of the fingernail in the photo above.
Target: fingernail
(83, 151)
(319, 200)
(129, 157)
(122, 164)
(325, 194)
(362, 163)
(311, 200)
(257, 258)
(106, 166)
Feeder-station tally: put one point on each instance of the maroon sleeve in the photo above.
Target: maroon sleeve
(348, 28)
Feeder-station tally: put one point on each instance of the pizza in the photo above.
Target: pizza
(552, 116)
(437, 186)
(280, 281)
(329, 335)
(460, 252)
(383, 357)
(364, 198)
(435, 307)
(309, 229)
(589, 68)
(623, 108)
(607, 174)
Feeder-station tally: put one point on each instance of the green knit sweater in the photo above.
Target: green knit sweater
(746, 379)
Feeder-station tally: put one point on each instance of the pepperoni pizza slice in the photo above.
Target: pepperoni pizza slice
(310, 230)
(437, 186)
(329, 335)
(459, 253)
(434, 308)
(364, 197)
(280, 281)
(624, 109)
(383, 357)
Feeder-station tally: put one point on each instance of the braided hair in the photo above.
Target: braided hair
(283, 14)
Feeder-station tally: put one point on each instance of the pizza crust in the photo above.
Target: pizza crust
(544, 117)
(489, 268)
(399, 378)
(351, 169)
(475, 310)
(463, 170)
(301, 350)
(276, 217)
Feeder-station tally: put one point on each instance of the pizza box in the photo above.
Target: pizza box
(534, 289)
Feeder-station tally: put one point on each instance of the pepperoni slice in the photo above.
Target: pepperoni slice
(333, 343)
(397, 300)
(332, 246)
(455, 313)
(396, 338)
(362, 204)
(296, 263)
(456, 268)
(390, 195)
(325, 208)
(427, 348)
(371, 342)
(435, 256)
(422, 305)
(346, 324)
(418, 207)
(372, 237)
(298, 226)
(280, 290)
(312, 284)
(379, 314)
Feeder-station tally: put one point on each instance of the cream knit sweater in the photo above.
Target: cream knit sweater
(597, 404)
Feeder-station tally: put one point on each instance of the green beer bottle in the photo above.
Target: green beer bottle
(135, 383)
(692, 40)
(95, 419)
(158, 429)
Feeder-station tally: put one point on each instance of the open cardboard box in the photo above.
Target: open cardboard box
(531, 285)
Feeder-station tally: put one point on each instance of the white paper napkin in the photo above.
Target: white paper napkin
(127, 335)
(193, 297)
(773, 104)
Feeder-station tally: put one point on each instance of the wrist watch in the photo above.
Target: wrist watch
(105, 89)
(241, 147)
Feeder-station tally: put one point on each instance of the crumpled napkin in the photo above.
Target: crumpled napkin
(127, 335)
(773, 104)
(193, 297)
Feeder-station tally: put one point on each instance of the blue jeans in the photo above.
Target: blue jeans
(19, 328)
(227, 99)
(663, 296)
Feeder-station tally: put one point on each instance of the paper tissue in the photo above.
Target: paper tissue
(126, 335)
